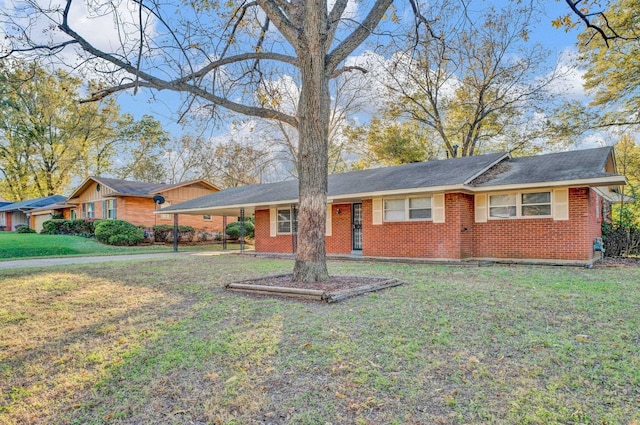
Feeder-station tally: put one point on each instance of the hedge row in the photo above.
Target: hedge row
(77, 227)
(620, 241)
(164, 233)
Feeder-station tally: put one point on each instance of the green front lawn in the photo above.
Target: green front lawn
(15, 245)
(161, 341)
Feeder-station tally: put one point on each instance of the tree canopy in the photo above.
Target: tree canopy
(48, 137)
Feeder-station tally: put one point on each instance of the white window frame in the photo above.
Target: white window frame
(407, 209)
(206, 217)
(293, 221)
(519, 205)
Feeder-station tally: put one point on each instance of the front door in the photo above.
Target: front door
(356, 227)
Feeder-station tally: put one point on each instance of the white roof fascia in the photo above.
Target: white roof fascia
(226, 207)
(381, 193)
(598, 181)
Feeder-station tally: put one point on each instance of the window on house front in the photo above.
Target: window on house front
(88, 210)
(419, 208)
(536, 204)
(73, 214)
(514, 205)
(407, 209)
(393, 209)
(285, 223)
(502, 206)
(111, 208)
(206, 217)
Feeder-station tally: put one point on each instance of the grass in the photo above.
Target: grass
(162, 342)
(15, 245)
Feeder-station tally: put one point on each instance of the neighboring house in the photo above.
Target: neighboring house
(3, 215)
(106, 198)
(17, 214)
(493, 206)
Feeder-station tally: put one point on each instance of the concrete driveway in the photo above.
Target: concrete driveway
(62, 261)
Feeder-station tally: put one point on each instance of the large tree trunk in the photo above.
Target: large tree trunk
(313, 128)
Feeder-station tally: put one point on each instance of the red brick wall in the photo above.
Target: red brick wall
(422, 239)
(459, 237)
(542, 238)
(340, 240)
(338, 243)
(264, 242)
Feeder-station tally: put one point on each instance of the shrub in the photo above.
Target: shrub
(164, 233)
(620, 240)
(233, 230)
(24, 229)
(118, 232)
(78, 227)
(55, 227)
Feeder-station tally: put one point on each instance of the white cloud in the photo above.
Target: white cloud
(111, 26)
(571, 84)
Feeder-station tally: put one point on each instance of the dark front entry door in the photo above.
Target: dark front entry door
(356, 227)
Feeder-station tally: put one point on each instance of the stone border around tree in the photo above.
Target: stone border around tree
(252, 286)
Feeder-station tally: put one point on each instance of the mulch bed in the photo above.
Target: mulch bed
(619, 262)
(336, 288)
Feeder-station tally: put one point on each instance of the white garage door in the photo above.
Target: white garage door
(39, 219)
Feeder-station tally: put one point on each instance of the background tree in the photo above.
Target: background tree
(392, 143)
(351, 94)
(608, 49)
(46, 135)
(227, 164)
(473, 80)
(143, 143)
(184, 157)
(627, 213)
(233, 164)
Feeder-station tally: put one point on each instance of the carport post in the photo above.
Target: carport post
(175, 233)
(241, 230)
(224, 232)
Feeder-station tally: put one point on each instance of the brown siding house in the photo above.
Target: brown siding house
(138, 202)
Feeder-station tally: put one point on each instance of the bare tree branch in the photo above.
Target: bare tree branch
(353, 40)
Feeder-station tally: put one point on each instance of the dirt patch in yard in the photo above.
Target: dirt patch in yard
(619, 262)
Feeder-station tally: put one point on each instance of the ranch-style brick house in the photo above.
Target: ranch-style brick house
(132, 201)
(494, 206)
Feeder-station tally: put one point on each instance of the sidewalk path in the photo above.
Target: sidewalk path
(62, 261)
